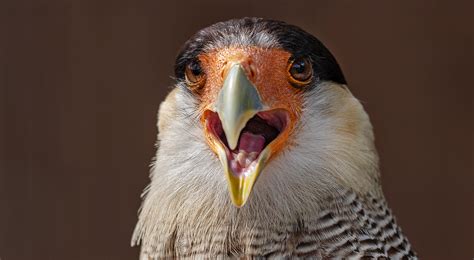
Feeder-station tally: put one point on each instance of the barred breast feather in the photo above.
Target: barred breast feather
(350, 227)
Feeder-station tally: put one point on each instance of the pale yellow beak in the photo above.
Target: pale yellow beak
(237, 103)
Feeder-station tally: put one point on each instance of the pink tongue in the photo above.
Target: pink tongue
(251, 143)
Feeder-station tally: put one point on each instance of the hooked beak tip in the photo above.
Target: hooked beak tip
(237, 103)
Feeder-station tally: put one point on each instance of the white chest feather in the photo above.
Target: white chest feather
(320, 197)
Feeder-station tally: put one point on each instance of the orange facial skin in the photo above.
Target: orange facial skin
(267, 69)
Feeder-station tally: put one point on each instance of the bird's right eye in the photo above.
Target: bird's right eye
(194, 75)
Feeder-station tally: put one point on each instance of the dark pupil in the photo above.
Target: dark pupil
(299, 67)
(195, 68)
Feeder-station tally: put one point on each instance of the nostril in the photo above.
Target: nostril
(249, 68)
(225, 69)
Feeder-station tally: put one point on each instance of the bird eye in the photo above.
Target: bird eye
(194, 74)
(300, 71)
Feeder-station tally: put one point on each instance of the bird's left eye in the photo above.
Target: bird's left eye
(194, 74)
(300, 71)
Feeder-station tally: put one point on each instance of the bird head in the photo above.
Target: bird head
(265, 93)
(251, 100)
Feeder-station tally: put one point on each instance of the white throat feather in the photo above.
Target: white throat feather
(331, 151)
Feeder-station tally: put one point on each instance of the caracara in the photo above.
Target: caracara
(263, 152)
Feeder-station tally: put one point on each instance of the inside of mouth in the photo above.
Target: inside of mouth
(257, 134)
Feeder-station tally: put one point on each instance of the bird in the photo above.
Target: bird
(264, 152)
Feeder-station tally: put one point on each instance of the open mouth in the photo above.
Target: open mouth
(259, 132)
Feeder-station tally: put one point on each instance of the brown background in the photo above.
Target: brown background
(81, 83)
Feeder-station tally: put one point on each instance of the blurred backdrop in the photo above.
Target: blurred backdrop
(81, 82)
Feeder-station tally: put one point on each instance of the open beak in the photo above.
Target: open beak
(241, 132)
(237, 103)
